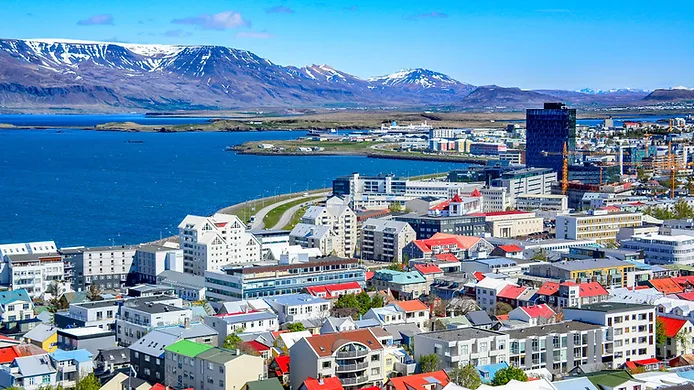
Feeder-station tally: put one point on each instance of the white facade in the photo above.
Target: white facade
(39, 247)
(536, 181)
(34, 272)
(134, 321)
(341, 221)
(384, 240)
(151, 260)
(546, 202)
(253, 321)
(485, 293)
(209, 243)
(659, 249)
(460, 347)
(107, 267)
(299, 307)
(496, 199)
(598, 225)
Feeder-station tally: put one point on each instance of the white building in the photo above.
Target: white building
(209, 243)
(151, 260)
(659, 249)
(558, 204)
(107, 266)
(486, 291)
(536, 181)
(463, 346)
(299, 307)
(598, 225)
(384, 240)
(631, 328)
(496, 199)
(251, 321)
(35, 272)
(39, 247)
(341, 221)
(137, 318)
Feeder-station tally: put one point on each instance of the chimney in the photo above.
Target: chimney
(186, 322)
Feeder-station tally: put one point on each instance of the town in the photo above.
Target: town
(562, 259)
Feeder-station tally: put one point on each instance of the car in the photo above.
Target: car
(252, 219)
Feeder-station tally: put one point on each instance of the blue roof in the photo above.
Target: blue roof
(639, 265)
(14, 295)
(686, 374)
(496, 261)
(487, 372)
(80, 355)
(295, 299)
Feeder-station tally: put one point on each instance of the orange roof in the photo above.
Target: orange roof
(418, 381)
(369, 275)
(502, 317)
(27, 350)
(666, 285)
(671, 326)
(412, 305)
(511, 291)
(428, 268)
(592, 289)
(548, 288)
(327, 344)
(329, 383)
(7, 355)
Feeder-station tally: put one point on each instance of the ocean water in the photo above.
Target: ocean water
(91, 120)
(95, 188)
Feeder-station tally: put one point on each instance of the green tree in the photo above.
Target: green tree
(429, 363)
(364, 302)
(296, 327)
(94, 293)
(683, 210)
(395, 207)
(660, 336)
(503, 308)
(505, 375)
(395, 266)
(346, 301)
(466, 376)
(641, 174)
(89, 382)
(232, 341)
(540, 255)
(377, 301)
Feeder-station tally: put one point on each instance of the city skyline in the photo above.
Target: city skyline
(535, 45)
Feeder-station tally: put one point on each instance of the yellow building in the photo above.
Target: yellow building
(43, 336)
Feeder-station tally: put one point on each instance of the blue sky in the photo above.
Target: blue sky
(526, 43)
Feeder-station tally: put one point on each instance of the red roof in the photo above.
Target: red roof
(671, 326)
(684, 280)
(475, 194)
(457, 199)
(610, 208)
(502, 317)
(283, 363)
(537, 311)
(441, 206)
(511, 291)
(7, 355)
(330, 383)
(221, 224)
(592, 289)
(511, 248)
(412, 305)
(369, 275)
(447, 257)
(688, 296)
(330, 289)
(257, 346)
(646, 362)
(666, 285)
(448, 240)
(428, 268)
(549, 288)
(418, 381)
(478, 275)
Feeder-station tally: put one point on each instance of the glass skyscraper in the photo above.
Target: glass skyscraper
(546, 132)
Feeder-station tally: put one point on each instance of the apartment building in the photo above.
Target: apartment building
(631, 328)
(151, 260)
(341, 224)
(428, 225)
(267, 280)
(402, 312)
(106, 267)
(384, 240)
(209, 243)
(403, 285)
(354, 357)
(660, 249)
(137, 319)
(599, 225)
(486, 291)
(71, 366)
(536, 181)
(248, 321)
(558, 347)
(90, 338)
(463, 346)
(610, 273)
(33, 272)
(557, 204)
(200, 366)
(571, 294)
(496, 199)
(299, 307)
(512, 223)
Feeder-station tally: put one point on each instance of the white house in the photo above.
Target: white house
(299, 307)
(254, 321)
(486, 291)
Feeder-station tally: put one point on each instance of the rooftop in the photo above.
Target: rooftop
(296, 300)
(327, 344)
(460, 334)
(544, 330)
(187, 348)
(611, 307)
(87, 331)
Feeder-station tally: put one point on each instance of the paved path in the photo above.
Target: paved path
(260, 214)
(287, 216)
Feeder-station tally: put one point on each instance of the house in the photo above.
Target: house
(43, 336)
(71, 366)
(336, 325)
(109, 361)
(511, 294)
(252, 321)
(136, 318)
(488, 371)
(403, 285)
(570, 294)
(512, 251)
(285, 341)
(426, 381)
(680, 337)
(299, 307)
(415, 312)
(186, 286)
(279, 368)
(480, 319)
(334, 291)
(16, 311)
(147, 355)
(429, 271)
(665, 285)
(462, 247)
(615, 380)
(29, 372)
(533, 315)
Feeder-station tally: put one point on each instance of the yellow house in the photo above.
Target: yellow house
(43, 336)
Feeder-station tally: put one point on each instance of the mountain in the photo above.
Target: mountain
(495, 97)
(671, 95)
(590, 97)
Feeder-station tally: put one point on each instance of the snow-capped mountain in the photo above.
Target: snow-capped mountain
(423, 78)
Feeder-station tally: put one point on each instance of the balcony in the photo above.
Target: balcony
(67, 369)
(351, 354)
(355, 381)
(351, 367)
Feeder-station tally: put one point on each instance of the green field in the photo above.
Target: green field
(296, 218)
(273, 216)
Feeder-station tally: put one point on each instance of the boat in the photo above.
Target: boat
(135, 141)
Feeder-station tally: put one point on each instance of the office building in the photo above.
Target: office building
(209, 243)
(496, 199)
(598, 225)
(659, 249)
(384, 240)
(534, 181)
(547, 131)
(463, 346)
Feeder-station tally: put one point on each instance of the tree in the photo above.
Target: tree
(466, 376)
(395, 266)
(505, 375)
(89, 382)
(683, 210)
(395, 207)
(377, 301)
(429, 363)
(232, 341)
(660, 336)
(540, 255)
(503, 308)
(364, 301)
(296, 327)
(94, 293)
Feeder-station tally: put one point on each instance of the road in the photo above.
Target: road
(287, 216)
(260, 215)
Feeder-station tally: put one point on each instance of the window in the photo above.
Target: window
(137, 355)
(147, 372)
(46, 378)
(327, 364)
(147, 358)
(375, 358)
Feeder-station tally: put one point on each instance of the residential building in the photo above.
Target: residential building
(43, 336)
(660, 249)
(608, 272)
(299, 307)
(151, 260)
(631, 328)
(548, 130)
(209, 243)
(111, 360)
(403, 285)
(486, 291)
(557, 347)
(599, 225)
(462, 247)
(334, 291)
(199, 366)
(354, 357)
(106, 267)
(384, 240)
(314, 237)
(427, 225)
(557, 204)
(528, 181)
(34, 272)
(512, 223)
(137, 318)
(415, 312)
(679, 334)
(534, 315)
(71, 366)
(463, 346)
(341, 222)
(267, 280)
(91, 338)
(251, 321)
(186, 286)
(29, 372)
(571, 294)
(16, 310)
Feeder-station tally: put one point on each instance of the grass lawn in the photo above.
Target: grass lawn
(296, 218)
(273, 216)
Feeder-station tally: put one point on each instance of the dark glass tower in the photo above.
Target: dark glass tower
(546, 132)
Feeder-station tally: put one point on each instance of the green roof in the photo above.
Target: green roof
(609, 378)
(266, 384)
(187, 348)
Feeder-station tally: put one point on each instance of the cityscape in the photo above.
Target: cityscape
(181, 213)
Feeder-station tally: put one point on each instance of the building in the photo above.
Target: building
(137, 318)
(71, 366)
(16, 311)
(106, 267)
(598, 225)
(426, 226)
(547, 131)
(557, 347)
(403, 285)
(512, 223)
(34, 272)
(186, 286)
(267, 280)
(151, 260)
(313, 237)
(631, 328)
(340, 221)
(200, 366)
(436, 380)
(111, 360)
(91, 338)
(463, 346)
(679, 338)
(462, 247)
(659, 249)
(209, 243)
(334, 291)
(571, 294)
(29, 372)
(354, 357)
(496, 199)
(384, 240)
(558, 204)
(249, 321)
(608, 272)
(299, 307)
(486, 291)
(533, 181)
(43, 336)
(271, 241)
